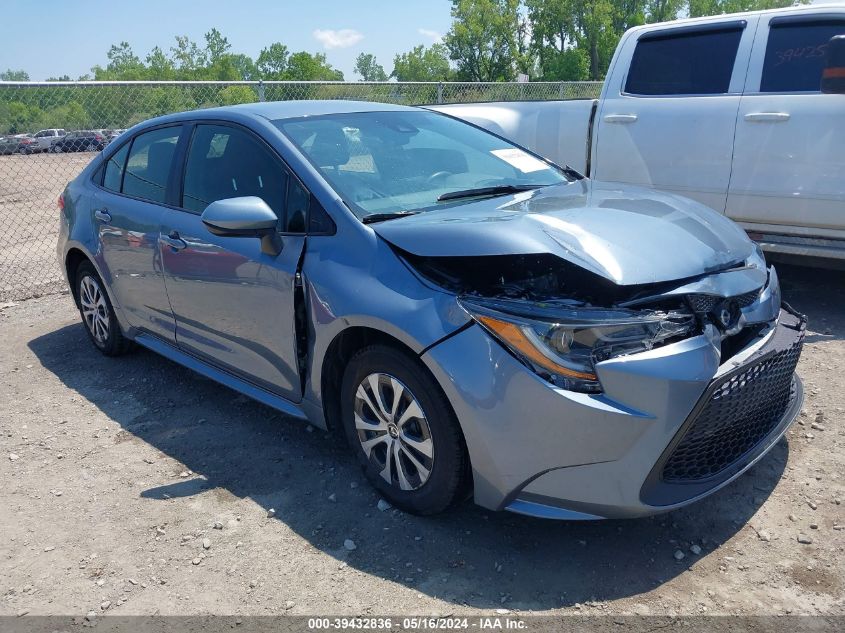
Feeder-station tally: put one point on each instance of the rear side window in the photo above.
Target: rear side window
(226, 162)
(795, 55)
(688, 63)
(149, 163)
(113, 177)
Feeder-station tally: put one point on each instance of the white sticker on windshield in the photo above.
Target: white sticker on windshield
(523, 161)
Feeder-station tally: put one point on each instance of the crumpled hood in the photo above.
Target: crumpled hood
(626, 234)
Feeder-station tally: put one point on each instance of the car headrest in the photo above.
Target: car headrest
(330, 148)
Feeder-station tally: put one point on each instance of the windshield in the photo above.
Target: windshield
(402, 162)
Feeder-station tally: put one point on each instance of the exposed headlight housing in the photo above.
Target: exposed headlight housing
(564, 342)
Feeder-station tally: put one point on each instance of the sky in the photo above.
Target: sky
(57, 37)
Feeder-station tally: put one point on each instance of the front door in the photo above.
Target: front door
(669, 122)
(233, 304)
(128, 214)
(789, 163)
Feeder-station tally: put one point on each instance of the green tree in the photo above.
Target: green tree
(233, 95)
(216, 46)
(553, 40)
(14, 75)
(244, 67)
(123, 64)
(369, 69)
(485, 40)
(304, 66)
(423, 64)
(187, 57)
(159, 66)
(663, 10)
(698, 8)
(272, 61)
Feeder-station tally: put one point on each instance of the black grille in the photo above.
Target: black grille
(743, 301)
(706, 303)
(741, 410)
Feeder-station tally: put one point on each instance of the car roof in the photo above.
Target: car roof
(274, 110)
(290, 109)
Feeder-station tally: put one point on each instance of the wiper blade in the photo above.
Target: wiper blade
(381, 217)
(497, 190)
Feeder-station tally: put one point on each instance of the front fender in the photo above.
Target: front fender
(366, 284)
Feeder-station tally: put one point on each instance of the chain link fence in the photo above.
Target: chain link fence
(36, 161)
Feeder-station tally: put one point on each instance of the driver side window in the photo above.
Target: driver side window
(227, 162)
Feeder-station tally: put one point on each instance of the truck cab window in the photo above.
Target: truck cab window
(686, 63)
(795, 55)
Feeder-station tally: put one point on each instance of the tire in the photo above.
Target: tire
(397, 445)
(97, 313)
(55, 149)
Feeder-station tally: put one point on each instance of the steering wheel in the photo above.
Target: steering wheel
(438, 174)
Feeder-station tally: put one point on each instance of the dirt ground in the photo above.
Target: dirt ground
(29, 220)
(133, 486)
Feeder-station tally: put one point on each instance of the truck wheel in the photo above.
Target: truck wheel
(403, 431)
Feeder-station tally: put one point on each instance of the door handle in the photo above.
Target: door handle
(620, 118)
(102, 215)
(771, 117)
(173, 241)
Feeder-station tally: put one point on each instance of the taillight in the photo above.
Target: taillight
(61, 202)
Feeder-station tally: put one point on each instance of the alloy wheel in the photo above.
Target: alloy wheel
(95, 310)
(393, 431)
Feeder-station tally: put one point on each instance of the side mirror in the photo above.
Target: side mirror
(248, 216)
(833, 76)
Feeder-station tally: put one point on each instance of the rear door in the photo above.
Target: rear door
(128, 214)
(668, 122)
(233, 304)
(789, 163)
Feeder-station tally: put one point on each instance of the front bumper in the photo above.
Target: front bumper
(653, 441)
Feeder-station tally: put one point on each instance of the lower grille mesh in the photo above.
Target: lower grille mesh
(741, 410)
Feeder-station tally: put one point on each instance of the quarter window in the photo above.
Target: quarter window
(688, 63)
(795, 55)
(226, 162)
(149, 164)
(114, 169)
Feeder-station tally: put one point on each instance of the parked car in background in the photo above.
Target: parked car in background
(27, 144)
(9, 145)
(113, 134)
(729, 110)
(45, 138)
(468, 315)
(81, 141)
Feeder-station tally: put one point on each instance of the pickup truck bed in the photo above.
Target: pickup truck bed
(726, 110)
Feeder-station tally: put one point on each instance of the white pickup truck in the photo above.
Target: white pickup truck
(726, 110)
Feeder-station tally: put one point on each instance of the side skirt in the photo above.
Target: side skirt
(224, 378)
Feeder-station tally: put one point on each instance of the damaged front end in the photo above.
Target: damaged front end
(561, 320)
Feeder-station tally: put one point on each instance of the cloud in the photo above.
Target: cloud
(338, 38)
(434, 36)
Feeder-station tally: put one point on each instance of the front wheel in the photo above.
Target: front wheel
(403, 431)
(98, 314)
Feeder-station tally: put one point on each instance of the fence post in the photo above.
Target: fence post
(439, 92)
(261, 90)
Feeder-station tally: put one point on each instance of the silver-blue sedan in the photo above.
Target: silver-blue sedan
(473, 318)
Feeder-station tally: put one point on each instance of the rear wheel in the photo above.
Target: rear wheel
(403, 431)
(97, 313)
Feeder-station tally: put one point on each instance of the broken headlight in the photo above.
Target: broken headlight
(564, 342)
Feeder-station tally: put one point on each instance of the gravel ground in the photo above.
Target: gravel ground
(133, 486)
